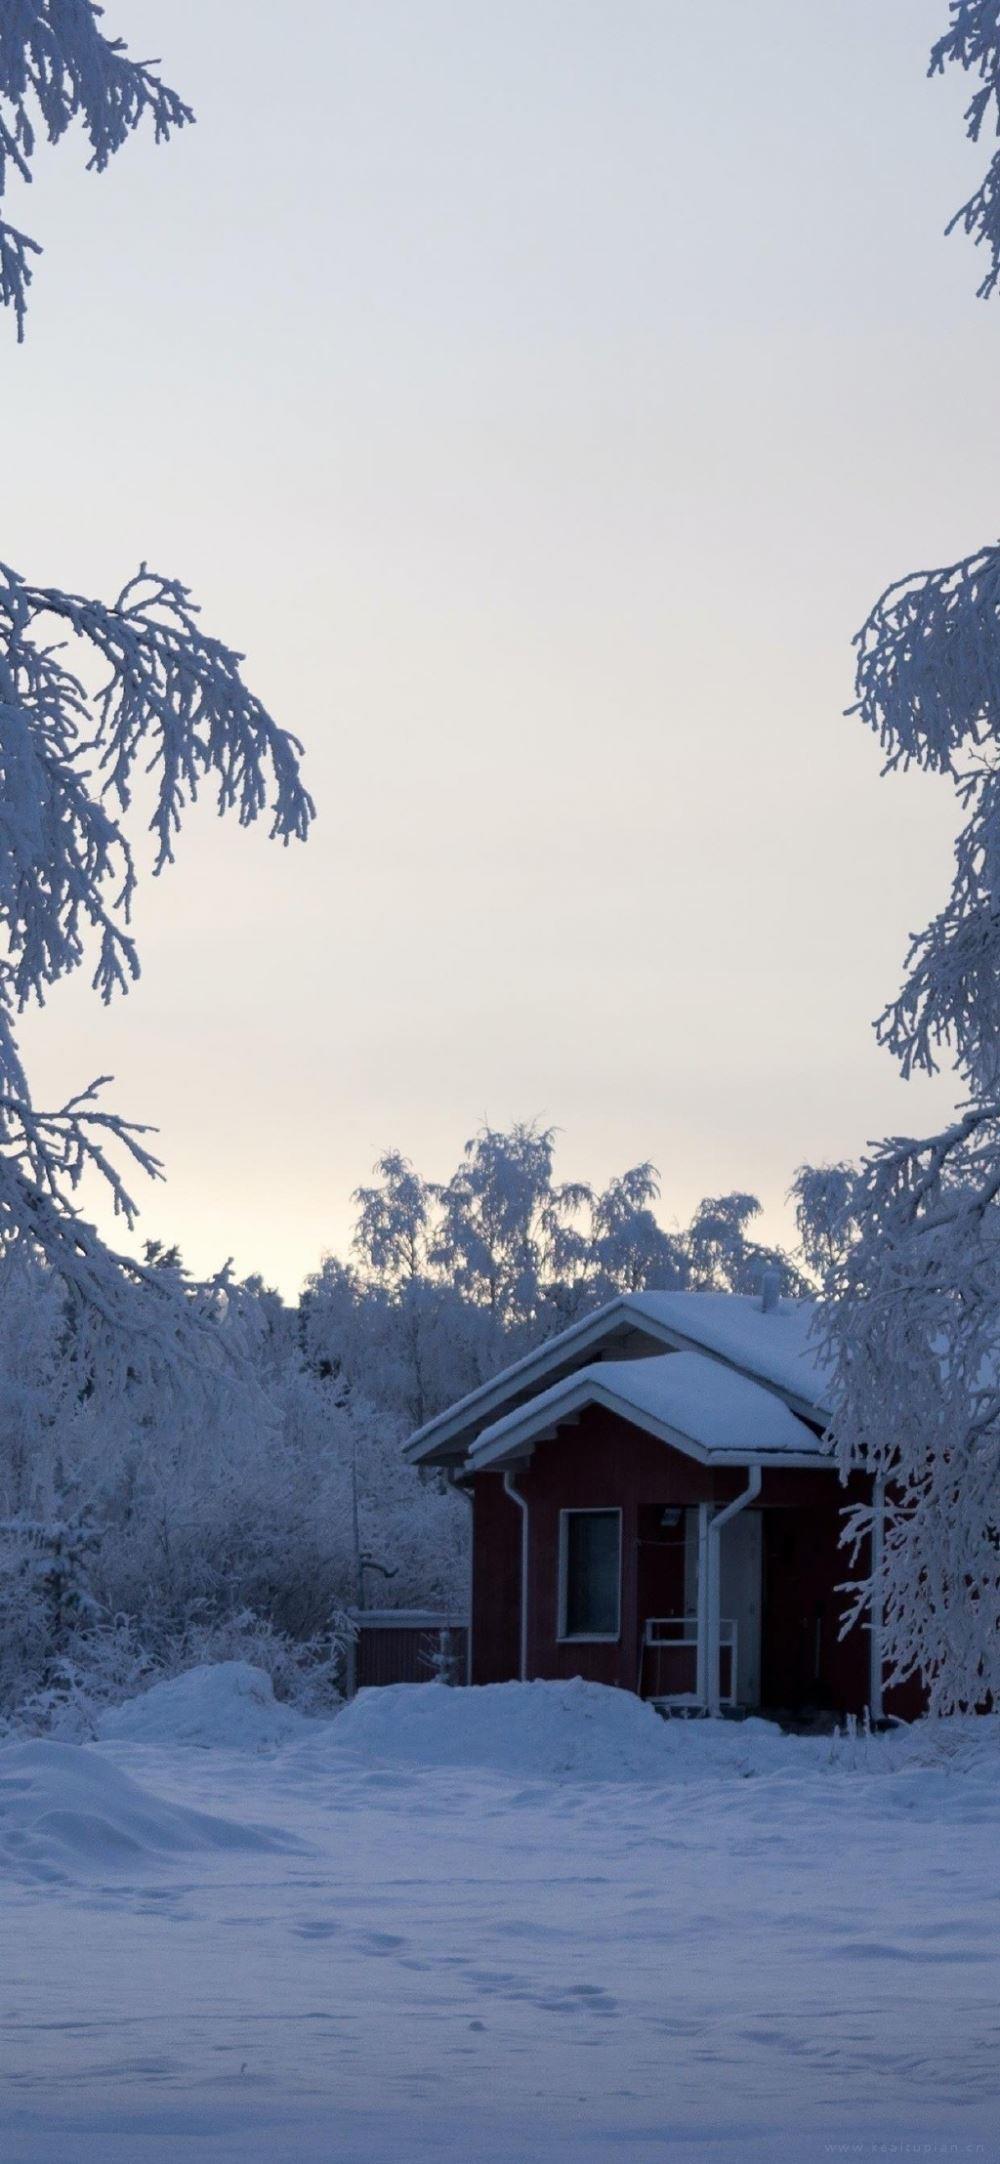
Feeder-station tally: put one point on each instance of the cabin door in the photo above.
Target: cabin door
(740, 1589)
(740, 1592)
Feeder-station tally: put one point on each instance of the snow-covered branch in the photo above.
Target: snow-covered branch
(972, 42)
(928, 684)
(59, 66)
(928, 664)
(56, 66)
(171, 702)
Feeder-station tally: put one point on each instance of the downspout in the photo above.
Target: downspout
(467, 1496)
(715, 1526)
(516, 1497)
(876, 1708)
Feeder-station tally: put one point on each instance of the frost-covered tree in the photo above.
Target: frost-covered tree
(916, 1292)
(721, 1254)
(915, 1287)
(409, 1348)
(825, 1215)
(393, 1227)
(141, 1475)
(505, 1226)
(915, 1340)
(392, 1239)
(177, 1471)
(57, 67)
(629, 1250)
(95, 699)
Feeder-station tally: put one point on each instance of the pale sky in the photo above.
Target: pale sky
(539, 394)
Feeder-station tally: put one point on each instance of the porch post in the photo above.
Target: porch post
(720, 1519)
(713, 1626)
(701, 1655)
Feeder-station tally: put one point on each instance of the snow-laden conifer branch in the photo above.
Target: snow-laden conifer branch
(950, 999)
(15, 271)
(170, 699)
(972, 42)
(928, 664)
(171, 703)
(57, 66)
(928, 684)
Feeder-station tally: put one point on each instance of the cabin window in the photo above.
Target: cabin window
(590, 1552)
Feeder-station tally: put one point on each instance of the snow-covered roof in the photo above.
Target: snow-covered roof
(774, 1345)
(687, 1399)
(777, 1344)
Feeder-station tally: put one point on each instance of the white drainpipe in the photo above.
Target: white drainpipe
(714, 1581)
(876, 1708)
(516, 1497)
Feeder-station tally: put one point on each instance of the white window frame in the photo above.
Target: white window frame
(586, 1638)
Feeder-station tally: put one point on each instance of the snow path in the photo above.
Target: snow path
(464, 1965)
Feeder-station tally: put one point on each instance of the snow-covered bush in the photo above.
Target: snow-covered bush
(145, 1529)
(109, 1664)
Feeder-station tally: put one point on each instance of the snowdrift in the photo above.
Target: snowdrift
(543, 1731)
(547, 1731)
(66, 1812)
(228, 1704)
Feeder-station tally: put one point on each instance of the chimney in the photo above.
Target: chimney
(770, 1291)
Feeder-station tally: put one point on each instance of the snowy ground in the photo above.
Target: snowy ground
(522, 1924)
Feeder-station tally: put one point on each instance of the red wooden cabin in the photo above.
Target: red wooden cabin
(654, 1506)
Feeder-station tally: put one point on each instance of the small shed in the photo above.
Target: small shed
(406, 1645)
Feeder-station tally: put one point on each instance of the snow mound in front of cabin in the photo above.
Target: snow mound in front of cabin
(66, 1812)
(546, 1731)
(228, 1704)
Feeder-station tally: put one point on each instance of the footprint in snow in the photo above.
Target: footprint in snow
(583, 1999)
